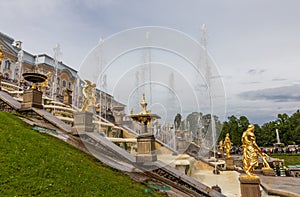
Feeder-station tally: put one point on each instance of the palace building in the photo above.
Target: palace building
(16, 61)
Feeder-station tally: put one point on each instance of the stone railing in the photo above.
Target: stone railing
(9, 86)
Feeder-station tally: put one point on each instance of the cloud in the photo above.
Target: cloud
(279, 79)
(251, 82)
(255, 71)
(251, 71)
(280, 94)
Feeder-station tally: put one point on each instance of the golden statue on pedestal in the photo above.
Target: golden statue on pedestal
(89, 96)
(221, 145)
(251, 152)
(221, 148)
(227, 145)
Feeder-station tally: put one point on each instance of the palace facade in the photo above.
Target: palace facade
(16, 61)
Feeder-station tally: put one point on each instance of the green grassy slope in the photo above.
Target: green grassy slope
(289, 159)
(34, 164)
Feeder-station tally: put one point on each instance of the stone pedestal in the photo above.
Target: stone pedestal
(32, 98)
(229, 163)
(221, 154)
(250, 186)
(146, 149)
(67, 99)
(83, 122)
(181, 145)
(268, 172)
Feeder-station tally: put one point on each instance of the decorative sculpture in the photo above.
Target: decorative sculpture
(45, 83)
(251, 152)
(221, 146)
(89, 96)
(227, 145)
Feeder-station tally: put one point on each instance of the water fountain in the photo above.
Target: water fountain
(278, 144)
(33, 96)
(34, 78)
(145, 141)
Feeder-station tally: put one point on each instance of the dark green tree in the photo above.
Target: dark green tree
(235, 127)
(288, 128)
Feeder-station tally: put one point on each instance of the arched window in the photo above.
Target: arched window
(58, 80)
(7, 64)
(70, 85)
(64, 83)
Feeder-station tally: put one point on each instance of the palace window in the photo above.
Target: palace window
(64, 83)
(7, 64)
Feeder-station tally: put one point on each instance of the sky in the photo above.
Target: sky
(254, 43)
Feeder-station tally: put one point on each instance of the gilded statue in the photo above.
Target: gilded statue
(45, 83)
(89, 95)
(221, 146)
(227, 145)
(251, 151)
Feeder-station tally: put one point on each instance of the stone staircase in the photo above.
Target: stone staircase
(112, 155)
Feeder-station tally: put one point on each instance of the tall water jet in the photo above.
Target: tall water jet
(57, 55)
(277, 137)
(278, 143)
(208, 77)
(171, 97)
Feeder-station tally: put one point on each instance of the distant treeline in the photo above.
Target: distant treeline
(288, 128)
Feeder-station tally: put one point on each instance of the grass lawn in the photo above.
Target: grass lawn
(289, 159)
(34, 164)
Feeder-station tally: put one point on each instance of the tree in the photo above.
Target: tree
(288, 128)
(264, 135)
(233, 128)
